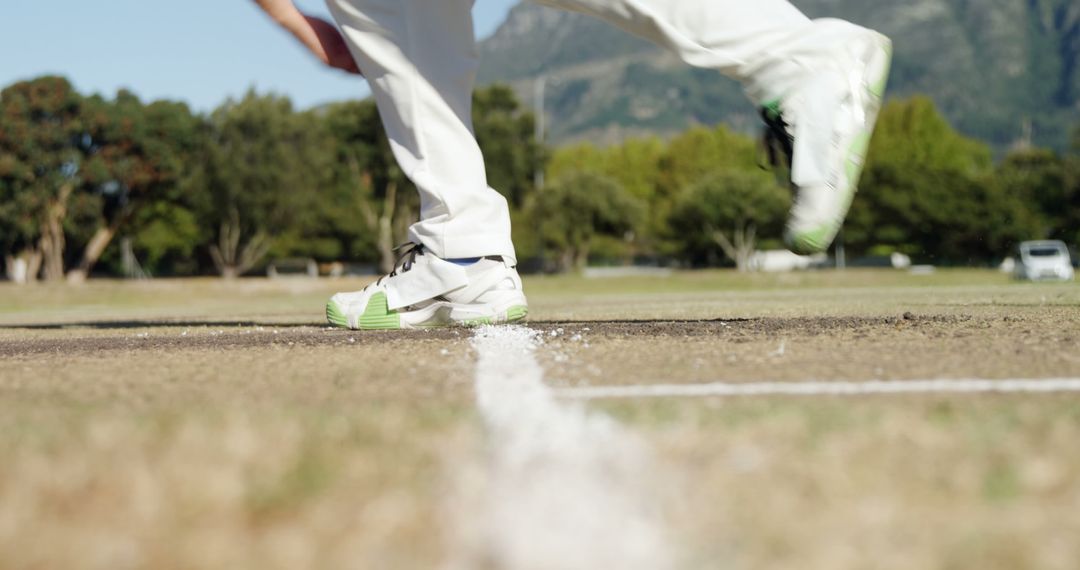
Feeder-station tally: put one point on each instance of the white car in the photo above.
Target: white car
(1044, 261)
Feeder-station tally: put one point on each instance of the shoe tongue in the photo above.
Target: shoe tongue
(428, 278)
(465, 261)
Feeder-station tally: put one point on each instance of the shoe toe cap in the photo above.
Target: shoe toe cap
(335, 315)
(350, 301)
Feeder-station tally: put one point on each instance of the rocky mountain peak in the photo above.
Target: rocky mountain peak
(992, 66)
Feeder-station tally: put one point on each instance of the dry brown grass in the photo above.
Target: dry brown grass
(929, 482)
(145, 438)
(255, 458)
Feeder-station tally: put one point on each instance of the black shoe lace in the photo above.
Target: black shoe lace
(407, 253)
(778, 142)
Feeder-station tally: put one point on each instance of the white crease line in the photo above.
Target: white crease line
(876, 387)
(566, 488)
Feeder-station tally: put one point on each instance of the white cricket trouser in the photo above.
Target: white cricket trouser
(420, 59)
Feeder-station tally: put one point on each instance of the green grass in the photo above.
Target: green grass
(723, 280)
(566, 296)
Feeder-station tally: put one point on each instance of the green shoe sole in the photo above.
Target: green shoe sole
(377, 316)
(517, 314)
(335, 317)
(812, 242)
(513, 315)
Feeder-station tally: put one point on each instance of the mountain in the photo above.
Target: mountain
(992, 66)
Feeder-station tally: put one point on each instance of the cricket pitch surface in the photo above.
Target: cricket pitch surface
(854, 420)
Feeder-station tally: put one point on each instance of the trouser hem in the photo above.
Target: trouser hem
(473, 245)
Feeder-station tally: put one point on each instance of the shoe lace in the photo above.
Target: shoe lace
(778, 143)
(407, 253)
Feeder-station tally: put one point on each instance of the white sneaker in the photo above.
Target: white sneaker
(824, 129)
(425, 291)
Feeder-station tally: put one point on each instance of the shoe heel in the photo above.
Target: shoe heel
(517, 314)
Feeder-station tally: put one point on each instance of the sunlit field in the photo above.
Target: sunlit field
(212, 424)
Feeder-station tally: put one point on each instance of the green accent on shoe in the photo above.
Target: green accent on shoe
(856, 158)
(478, 322)
(515, 314)
(879, 86)
(772, 109)
(334, 315)
(378, 316)
(813, 241)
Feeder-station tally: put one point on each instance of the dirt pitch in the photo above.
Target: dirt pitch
(198, 424)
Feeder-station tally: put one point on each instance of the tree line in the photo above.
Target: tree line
(257, 180)
(927, 191)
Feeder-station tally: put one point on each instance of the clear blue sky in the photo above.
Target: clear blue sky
(198, 51)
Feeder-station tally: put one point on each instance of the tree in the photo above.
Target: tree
(724, 212)
(699, 152)
(136, 156)
(506, 135)
(265, 165)
(577, 208)
(19, 220)
(40, 133)
(1071, 223)
(1038, 177)
(166, 237)
(368, 180)
(930, 192)
(656, 173)
(75, 169)
(635, 165)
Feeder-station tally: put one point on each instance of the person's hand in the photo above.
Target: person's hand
(319, 36)
(329, 46)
